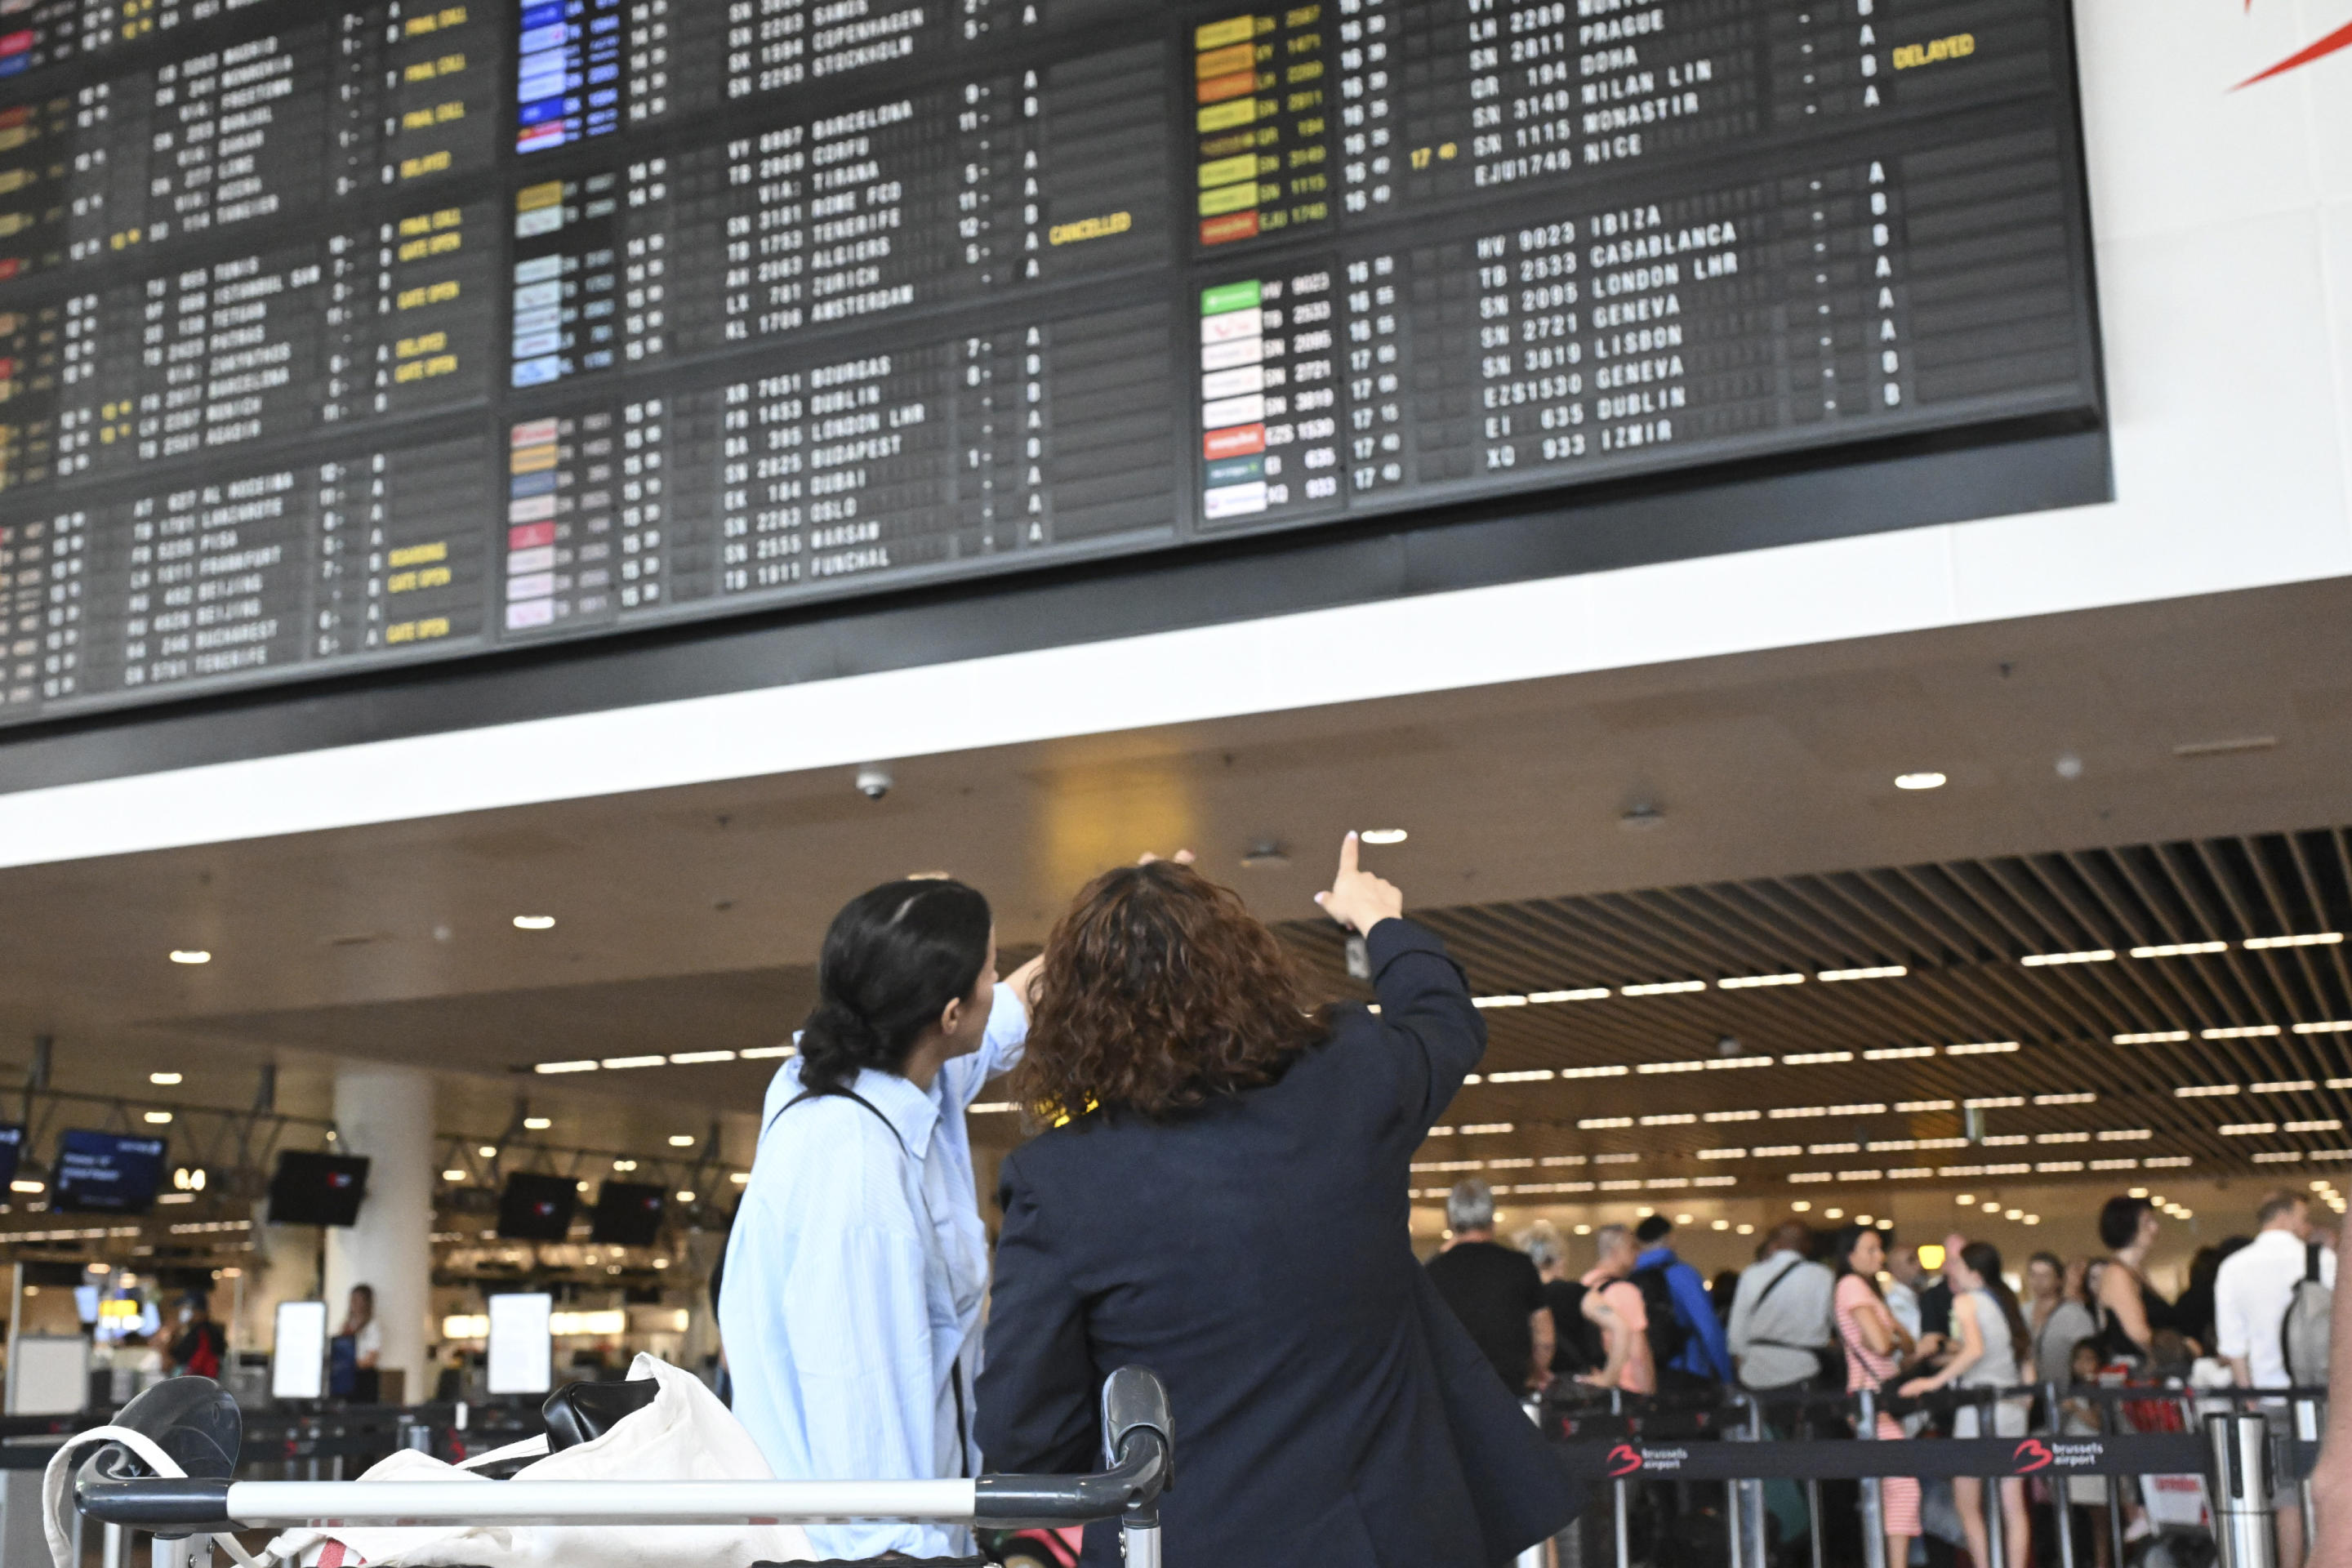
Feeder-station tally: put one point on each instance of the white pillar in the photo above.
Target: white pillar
(386, 1114)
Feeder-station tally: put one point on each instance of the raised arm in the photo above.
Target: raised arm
(1424, 998)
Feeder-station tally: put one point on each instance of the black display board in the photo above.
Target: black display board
(105, 1173)
(311, 1188)
(534, 1206)
(627, 1214)
(336, 336)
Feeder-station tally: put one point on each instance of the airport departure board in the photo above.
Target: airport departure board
(335, 333)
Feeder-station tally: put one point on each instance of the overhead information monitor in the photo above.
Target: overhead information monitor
(335, 336)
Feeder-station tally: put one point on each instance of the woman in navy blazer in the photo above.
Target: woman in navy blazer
(1224, 1201)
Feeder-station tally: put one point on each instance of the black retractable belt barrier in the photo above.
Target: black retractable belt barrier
(1607, 1437)
(2159, 1454)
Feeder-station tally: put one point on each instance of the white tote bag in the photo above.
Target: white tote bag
(685, 1435)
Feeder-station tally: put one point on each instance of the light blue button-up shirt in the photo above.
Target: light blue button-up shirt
(853, 1284)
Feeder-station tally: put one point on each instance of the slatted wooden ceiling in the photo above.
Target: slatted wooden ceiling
(1962, 931)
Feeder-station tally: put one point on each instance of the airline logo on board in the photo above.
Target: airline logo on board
(2339, 39)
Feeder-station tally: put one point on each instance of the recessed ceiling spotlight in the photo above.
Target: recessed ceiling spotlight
(158, 1118)
(165, 1079)
(1264, 855)
(537, 1123)
(2068, 766)
(487, 1152)
(1383, 836)
(685, 1198)
(453, 1175)
(191, 956)
(534, 923)
(1921, 781)
(681, 1140)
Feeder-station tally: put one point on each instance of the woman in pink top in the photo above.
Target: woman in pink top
(1615, 1303)
(1876, 1345)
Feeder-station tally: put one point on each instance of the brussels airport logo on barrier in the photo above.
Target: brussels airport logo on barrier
(1625, 1459)
(2036, 1454)
(2339, 39)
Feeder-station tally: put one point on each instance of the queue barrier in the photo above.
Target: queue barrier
(2232, 1452)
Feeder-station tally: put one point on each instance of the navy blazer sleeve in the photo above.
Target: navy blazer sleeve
(1035, 1395)
(1425, 1018)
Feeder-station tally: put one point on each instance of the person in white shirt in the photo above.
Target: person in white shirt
(859, 1261)
(1780, 1321)
(2250, 1296)
(1781, 1313)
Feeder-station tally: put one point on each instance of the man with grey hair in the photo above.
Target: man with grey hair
(1494, 1290)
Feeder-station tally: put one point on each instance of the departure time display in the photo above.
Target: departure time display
(336, 335)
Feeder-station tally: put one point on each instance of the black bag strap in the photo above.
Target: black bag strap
(807, 1094)
(955, 1370)
(1796, 1262)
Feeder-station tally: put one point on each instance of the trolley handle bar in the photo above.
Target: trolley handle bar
(1131, 1488)
(182, 1505)
(158, 1504)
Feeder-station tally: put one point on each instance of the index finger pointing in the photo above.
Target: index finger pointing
(1348, 856)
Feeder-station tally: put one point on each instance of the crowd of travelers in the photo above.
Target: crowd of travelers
(1848, 1309)
(1215, 1185)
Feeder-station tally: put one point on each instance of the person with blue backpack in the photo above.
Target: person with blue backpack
(1686, 1340)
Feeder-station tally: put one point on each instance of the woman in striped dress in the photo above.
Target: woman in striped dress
(1875, 1345)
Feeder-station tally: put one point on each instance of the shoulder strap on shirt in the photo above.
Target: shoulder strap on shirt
(846, 1094)
(1795, 1263)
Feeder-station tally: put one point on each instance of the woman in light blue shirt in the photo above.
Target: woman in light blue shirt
(859, 1261)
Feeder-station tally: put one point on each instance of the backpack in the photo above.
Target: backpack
(1667, 1335)
(2303, 1333)
(1578, 1344)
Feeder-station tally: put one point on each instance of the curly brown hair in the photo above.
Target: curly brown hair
(1161, 992)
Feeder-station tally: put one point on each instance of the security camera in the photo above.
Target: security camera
(873, 782)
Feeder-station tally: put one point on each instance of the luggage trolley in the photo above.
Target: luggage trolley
(196, 1423)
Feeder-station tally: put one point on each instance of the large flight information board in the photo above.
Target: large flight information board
(339, 333)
